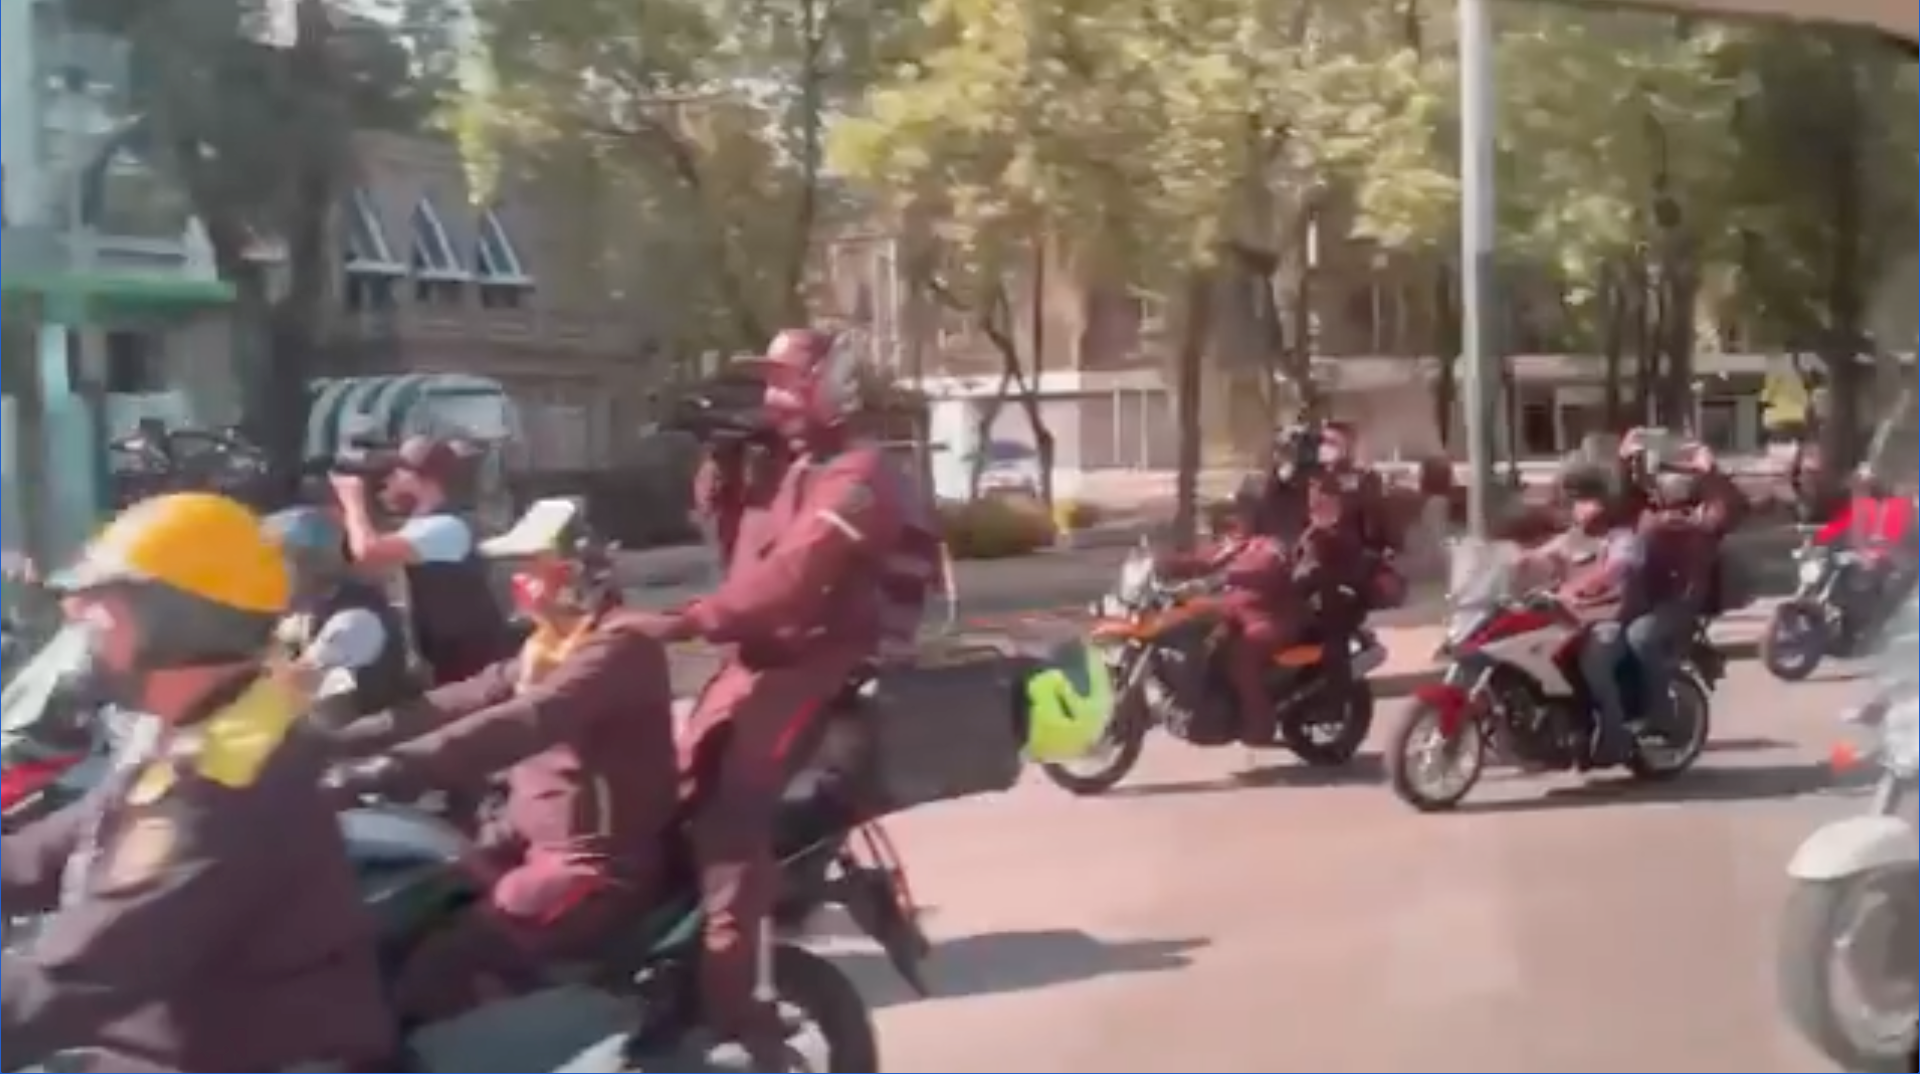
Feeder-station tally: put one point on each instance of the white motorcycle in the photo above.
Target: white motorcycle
(1847, 942)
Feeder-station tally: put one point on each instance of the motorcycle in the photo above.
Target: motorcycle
(412, 873)
(1847, 974)
(1834, 611)
(1164, 642)
(1512, 691)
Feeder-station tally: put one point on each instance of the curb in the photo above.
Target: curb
(1401, 684)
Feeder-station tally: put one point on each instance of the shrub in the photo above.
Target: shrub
(1070, 516)
(997, 527)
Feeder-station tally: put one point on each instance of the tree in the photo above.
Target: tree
(1825, 201)
(693, 130)
(260, 139)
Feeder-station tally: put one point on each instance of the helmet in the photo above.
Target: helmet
(1069, 704)
(561, 563)
(197, 571)
(1582, 480)
(310, 539)
(812, 379)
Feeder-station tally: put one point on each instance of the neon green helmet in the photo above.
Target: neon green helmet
(1070, 704)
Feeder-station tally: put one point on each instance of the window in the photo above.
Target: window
(1149, 313)
(366, 243)
(432, 256)
(136, 364)
(437, 275)
(1538, 437)
(1720, 424)
(495, 258)
(369, 292)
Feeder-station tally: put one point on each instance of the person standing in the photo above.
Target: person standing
(458, 626)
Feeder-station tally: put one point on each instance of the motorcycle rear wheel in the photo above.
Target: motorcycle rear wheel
(1812, 963)
(1666, 755)
(1350, 726)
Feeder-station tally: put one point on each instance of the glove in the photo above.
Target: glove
(346, 784)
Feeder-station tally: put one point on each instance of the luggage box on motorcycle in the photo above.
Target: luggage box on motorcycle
(942, 723)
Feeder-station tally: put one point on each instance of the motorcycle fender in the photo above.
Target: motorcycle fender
(1853, 846)
(1447, 699)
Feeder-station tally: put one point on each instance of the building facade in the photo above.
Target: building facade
(436, 280)
(1375, 323)
(113, 305)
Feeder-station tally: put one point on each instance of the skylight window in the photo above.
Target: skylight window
(432, 251)
(366, 241)
(495, 259)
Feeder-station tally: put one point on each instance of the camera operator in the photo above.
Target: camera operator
(458, 626)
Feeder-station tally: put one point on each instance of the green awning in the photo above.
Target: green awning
(124, 289)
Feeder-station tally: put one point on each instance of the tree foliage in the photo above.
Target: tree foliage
(692, 130)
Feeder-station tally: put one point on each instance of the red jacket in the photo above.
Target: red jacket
(1868, 520)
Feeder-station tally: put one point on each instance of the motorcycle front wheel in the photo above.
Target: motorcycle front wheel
(1848, 971)
(1429, 769)
(1105, 766)
(1795, 642)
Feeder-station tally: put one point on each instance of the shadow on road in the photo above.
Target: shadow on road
(995, 963)
(1363, 770)
(1748, 744)
(1746, 783)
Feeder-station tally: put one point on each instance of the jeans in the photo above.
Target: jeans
(1654, 640)
(1600, 660)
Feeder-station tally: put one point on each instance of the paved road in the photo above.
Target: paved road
(1201, 922)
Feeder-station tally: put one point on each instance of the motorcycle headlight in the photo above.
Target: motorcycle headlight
(1811, 571)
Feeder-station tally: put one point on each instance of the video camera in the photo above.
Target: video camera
(1296, 450)
(727, 408)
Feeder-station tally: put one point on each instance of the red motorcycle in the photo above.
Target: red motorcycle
(1512, 691)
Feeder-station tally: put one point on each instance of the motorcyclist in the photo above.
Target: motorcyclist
(338, 619)
(1256, 570)
(202, 911)
(1880, 526)
(818, 581)
(1669, 587)
(1365, 512)
(581, 722)
(1592, 563)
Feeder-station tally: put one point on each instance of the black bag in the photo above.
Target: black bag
(946, 722)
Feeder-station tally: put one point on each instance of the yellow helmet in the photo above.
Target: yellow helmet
(200, 545)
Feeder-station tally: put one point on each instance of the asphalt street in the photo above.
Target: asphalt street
(1212, 917)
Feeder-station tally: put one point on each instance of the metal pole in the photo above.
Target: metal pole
(1478, 338)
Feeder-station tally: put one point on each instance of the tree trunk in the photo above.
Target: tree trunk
(1446, 347)
(1613, 340)
(1196, 331)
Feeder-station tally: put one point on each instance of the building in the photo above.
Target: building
(110, 288)
(435, 280)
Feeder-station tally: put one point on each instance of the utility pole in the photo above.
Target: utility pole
(1478, 337)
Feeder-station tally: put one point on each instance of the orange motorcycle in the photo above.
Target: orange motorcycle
(1165, 642)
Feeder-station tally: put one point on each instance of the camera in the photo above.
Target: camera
(1296, 450)
(728, 407)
